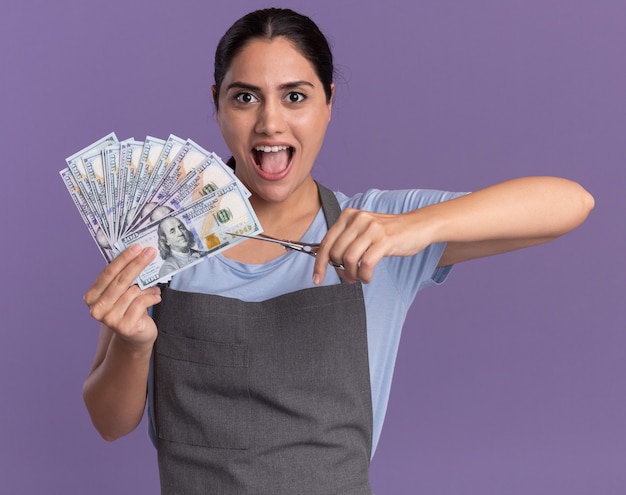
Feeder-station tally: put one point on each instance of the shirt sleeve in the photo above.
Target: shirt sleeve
(411, 273)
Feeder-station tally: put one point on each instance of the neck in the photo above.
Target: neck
(293, 215)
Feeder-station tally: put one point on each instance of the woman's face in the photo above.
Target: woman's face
(273, 114)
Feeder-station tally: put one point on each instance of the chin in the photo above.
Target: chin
(278, 192)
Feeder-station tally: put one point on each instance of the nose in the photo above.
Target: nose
(270, 119)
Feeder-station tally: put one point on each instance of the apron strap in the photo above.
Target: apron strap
(330, 205)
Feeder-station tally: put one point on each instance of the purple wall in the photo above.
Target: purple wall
(510, 377)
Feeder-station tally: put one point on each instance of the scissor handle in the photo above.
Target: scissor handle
(305, 247)
(311, 249)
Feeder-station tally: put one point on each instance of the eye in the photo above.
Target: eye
(245, 98)
(295, 97)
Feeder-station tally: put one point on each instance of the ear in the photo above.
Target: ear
(332, 100)
(214, 95)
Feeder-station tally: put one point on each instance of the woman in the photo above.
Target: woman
(271, 372)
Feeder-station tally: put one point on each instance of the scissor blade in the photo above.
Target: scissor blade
(289, 245)
(263, 237)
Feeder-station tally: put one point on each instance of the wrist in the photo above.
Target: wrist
(132, 349)
(425, 226)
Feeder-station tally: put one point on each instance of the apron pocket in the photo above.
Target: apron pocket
(201, 392)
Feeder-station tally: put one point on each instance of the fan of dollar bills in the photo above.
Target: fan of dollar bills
(170, 194)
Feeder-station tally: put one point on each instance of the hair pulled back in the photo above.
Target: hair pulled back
(269, 24)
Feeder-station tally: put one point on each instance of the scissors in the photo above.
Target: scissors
(301, 247)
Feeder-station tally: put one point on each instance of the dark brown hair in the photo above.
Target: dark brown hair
(269, 24)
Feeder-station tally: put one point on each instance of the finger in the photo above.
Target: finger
(351, 255)
(110, 272)
(136, 325)
(349, 227)
(322, 258)
(139, 306)
(368, 262)
(345, 277)
(104, 296)
(115, 315)
(319, 271)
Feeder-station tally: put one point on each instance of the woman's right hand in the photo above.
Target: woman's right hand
(115, 389)
(115, 301)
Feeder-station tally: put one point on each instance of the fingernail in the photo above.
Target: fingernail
(149, 252)
(135, 248)
(316, 279)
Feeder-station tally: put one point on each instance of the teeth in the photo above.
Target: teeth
(271, 149)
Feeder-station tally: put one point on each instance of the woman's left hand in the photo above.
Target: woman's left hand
(360, 239)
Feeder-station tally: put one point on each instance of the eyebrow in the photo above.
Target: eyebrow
(284, 86)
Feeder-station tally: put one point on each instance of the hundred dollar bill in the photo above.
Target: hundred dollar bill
(172, 146)
(201, 229)
(75, 163)
(189, 157)
(130, 160)
(93, 225)
(111, 163)
(94, 167)
(102, 143)
(210, 175)
(150, 153)
(206, 178)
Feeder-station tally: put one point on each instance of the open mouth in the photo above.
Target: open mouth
(272, 159)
